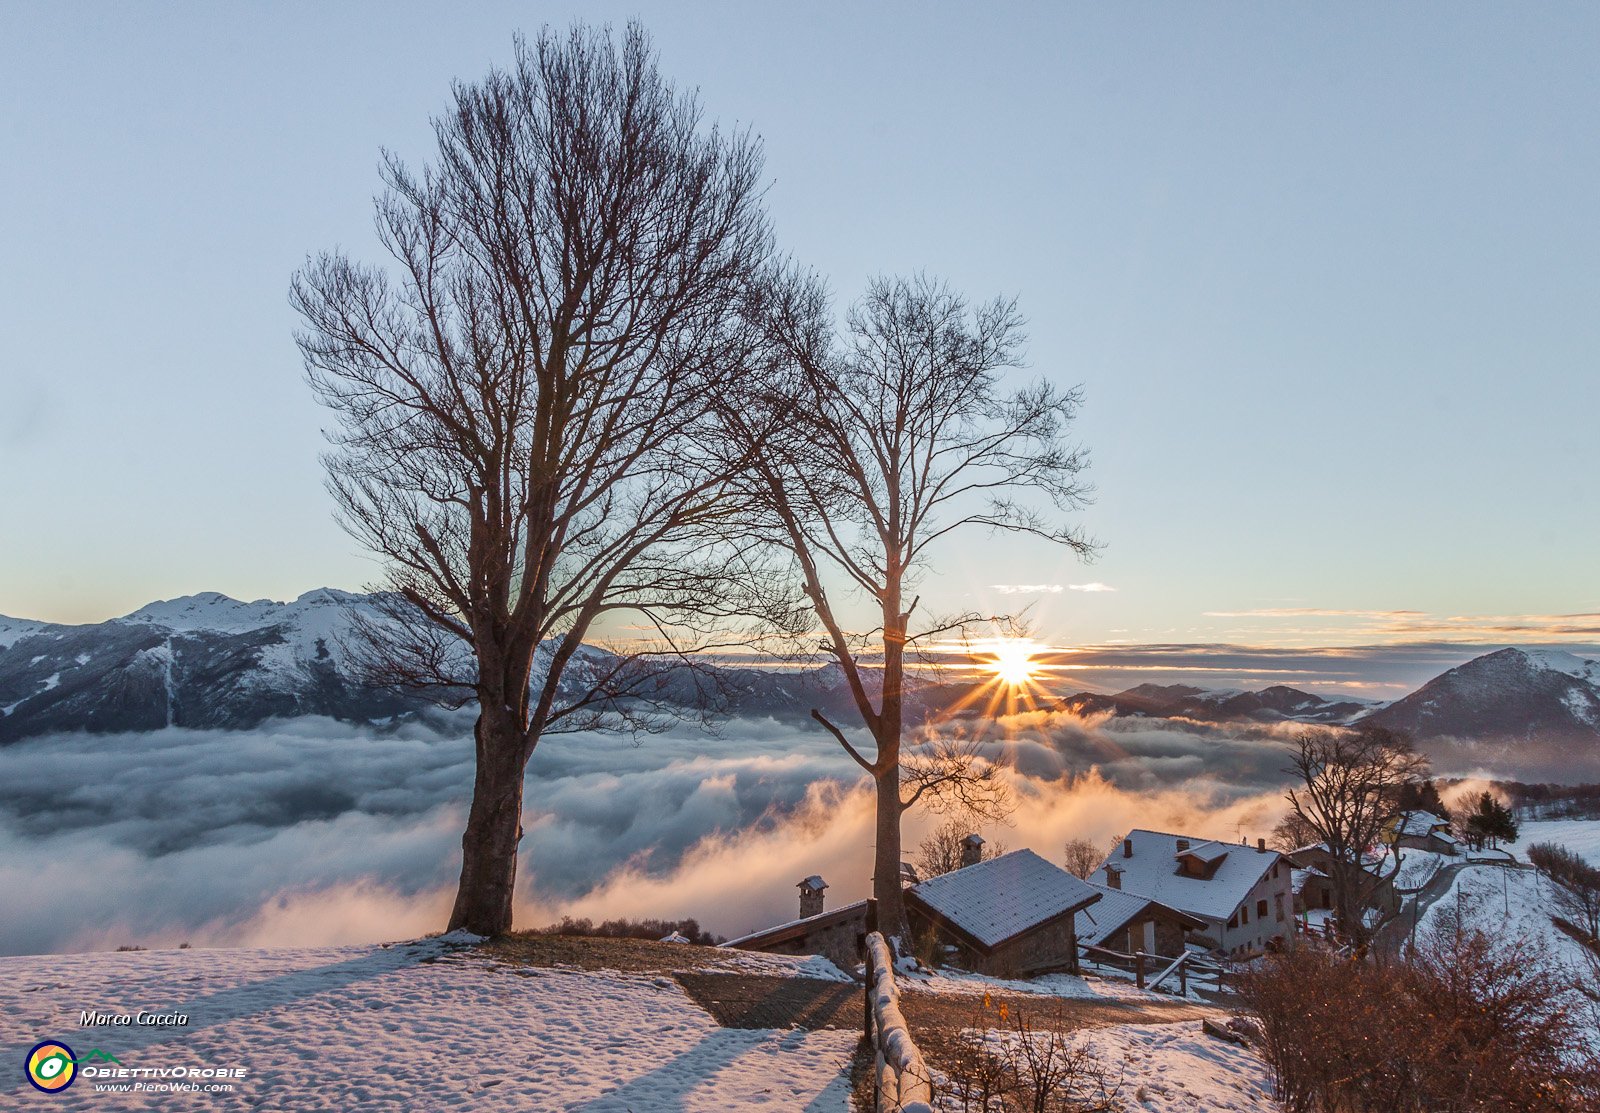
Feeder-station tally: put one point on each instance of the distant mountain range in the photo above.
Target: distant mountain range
(208, 661)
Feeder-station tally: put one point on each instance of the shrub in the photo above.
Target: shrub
(632, 929)
(1465, 1023)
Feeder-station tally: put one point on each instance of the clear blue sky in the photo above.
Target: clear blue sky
(1329, 276)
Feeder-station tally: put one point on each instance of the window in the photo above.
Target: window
(1233, 921)
(1244, 914)
(1261, 910)
(1277, 906)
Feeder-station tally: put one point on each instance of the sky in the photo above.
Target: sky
(1327, 277)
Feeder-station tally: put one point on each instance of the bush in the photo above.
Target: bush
(1576, 882)
(632, 929)
(1465, 1023)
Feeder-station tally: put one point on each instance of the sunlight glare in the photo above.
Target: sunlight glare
(1013, 663)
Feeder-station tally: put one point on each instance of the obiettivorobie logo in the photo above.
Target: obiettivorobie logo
(52, 1067)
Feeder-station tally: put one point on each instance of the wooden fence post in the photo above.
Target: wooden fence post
(1138, 966)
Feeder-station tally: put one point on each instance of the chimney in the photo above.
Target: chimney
(811, 896)
(1183, 844)
(908, 875)
(1127, 848)
(971, 850)
(1113, 877)
(1261, 846)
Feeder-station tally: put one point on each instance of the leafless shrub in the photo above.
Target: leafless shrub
(1003, 1063)
(1466, 1022)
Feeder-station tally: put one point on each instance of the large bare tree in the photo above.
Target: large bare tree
(521, 390)
(899, 433)
(1348, 798)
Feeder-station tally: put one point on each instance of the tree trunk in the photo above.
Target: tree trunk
(886, 862)
(494, 827)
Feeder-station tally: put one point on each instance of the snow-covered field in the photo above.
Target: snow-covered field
(1581, 836)
(1175, 1068)
(1510, 903)
(412, 1026)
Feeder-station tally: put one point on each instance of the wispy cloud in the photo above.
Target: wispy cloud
(1027, 589)
(1313, 612)
(1095, 586)
(1411, 625)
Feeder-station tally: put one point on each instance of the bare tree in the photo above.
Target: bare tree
(520, 394)
(1292, 833)
(1348, 797)
(899, 434)
(942, 851)
(1082, 857)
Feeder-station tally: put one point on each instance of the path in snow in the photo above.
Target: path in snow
(408, 1027)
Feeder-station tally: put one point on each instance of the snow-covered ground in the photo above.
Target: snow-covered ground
(1581, 836)
(1065, 986)
(1176, 1068)
(1168, 1068)
(408, 1027)
(1509, 903)
(1418, 867)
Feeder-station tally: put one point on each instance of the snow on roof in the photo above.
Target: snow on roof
(1421, 825)
(814, 883)
(1206, 852)
(1114, 909)
(1298, 878)
(1152, 871)
(1000, 899)
(844, 911)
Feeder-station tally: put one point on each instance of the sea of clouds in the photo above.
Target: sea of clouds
(310, 832)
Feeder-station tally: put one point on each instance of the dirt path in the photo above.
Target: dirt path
(932, 1013)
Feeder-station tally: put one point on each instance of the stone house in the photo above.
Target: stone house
(1128, 923)
(1314, 890)
(1424, 831)
(1010, 916)
(1243, 895)
(835, 935)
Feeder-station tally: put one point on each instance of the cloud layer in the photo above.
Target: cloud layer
(315, 832)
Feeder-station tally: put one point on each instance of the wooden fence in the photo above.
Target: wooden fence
(1158, 971)
(902, 1081)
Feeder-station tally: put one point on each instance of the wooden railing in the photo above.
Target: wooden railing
(902, 1081)
(1150, 971)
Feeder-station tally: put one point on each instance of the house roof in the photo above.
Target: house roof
(796, 929)
(995, 901)
(1115, 909)
(1422, 824)
(1152, 871)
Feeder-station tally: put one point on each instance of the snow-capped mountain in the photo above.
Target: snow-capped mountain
(1539, 697)
(1278, 703)
(208, 660)
(200, 661)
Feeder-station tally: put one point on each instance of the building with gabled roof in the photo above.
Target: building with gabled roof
(1243, 894)
(1423, 831)
(1011, 915)
(1128, 923)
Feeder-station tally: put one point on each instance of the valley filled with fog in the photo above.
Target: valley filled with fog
(309, 831)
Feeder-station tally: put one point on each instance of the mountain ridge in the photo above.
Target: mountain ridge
(210, 661)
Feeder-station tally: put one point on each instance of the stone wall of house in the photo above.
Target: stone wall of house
(1169, 937)
(1053, 947)
(838, 942)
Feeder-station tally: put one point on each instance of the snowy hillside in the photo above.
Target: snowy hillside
(1523, 712)
(445, 1023)
(424, 1025)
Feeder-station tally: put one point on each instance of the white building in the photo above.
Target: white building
(1243, 894)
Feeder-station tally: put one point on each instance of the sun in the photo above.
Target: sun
(1013, 663)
